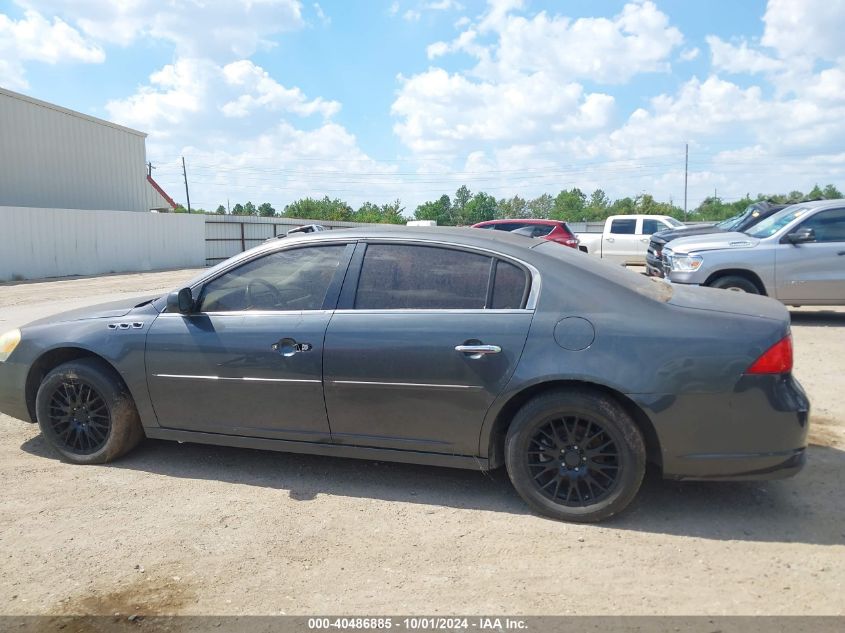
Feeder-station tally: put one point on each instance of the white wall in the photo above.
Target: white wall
(55, 157)
(37, 243)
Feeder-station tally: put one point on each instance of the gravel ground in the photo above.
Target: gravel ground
(194, 529)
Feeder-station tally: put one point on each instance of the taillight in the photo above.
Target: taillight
(776, 360)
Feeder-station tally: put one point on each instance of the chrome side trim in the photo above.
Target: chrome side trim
(245, 379)
(435, 311)
(404, 384)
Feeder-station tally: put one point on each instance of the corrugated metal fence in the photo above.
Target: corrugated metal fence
(227, 235)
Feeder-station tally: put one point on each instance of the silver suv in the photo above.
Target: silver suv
(796, 256)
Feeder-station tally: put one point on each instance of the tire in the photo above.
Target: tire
(546, 451)
(736, 284)
(106, 423)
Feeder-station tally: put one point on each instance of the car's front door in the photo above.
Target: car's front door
(814, 272)
(424, 338)
(621, 242)
(248, 360)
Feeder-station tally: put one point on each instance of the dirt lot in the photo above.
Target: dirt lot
(197, 529)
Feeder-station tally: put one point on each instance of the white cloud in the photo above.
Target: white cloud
(266, 92)
(411, 15)
(741, 58)
(394, 8)
(194, 27)
(34, 38)
(321, 15)
(607, 50)
(689, 54)
(805, 28)
(441, 111)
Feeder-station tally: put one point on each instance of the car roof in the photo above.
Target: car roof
(543, 221)
(819, 204)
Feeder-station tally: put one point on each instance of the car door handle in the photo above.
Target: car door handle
(289, 347)
(609, 239)
(644, 240)
(477, 351)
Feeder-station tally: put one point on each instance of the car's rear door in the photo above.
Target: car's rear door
(621, 243)
(248, 360)
(814, 272)
(424, 339)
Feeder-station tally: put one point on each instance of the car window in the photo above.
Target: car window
(509, 287)
(541, 230)
(653, 226)
(295, 279)
(774, 223)
(509, 226)
(404, 276)
(829, 226)
(675, 222)
(623, 227)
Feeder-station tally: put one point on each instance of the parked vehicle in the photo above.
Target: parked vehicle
(307, 228)
(450, 347)
(552, 230)
(624, 239)
(796, 256)
(752, 214)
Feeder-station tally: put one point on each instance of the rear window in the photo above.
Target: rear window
(401, 276)
(407, 277)
(510, 286)
(623, 227)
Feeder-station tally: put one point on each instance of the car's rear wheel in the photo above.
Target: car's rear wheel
(86, 412)
(736, 284)
(575, 455)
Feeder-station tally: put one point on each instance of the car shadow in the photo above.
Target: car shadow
(818, 318)
(806, 509)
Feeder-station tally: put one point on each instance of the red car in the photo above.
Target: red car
(552, 230)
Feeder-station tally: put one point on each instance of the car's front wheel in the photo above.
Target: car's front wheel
(575, 455)
(736, 284)
(86, 412)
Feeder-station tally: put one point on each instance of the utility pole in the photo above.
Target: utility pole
(185, 176)
(686, 178)
(150, 169)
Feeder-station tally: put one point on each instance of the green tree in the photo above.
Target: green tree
(221, 210)
(481, 207)
(541, 206)
(439, 210)
(238, 209)
(831, 193)
(599, 201)
(393, 212)
(265, 210)
(515, 207)
(249, 209)
(569, 205)
(324, 209)
(462, 197)
(179, 208)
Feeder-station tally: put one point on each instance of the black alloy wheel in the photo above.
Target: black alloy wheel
(573, 460)
(86, 412)
(575, 454)
(79, 417)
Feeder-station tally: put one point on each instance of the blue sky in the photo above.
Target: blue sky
(275, 99)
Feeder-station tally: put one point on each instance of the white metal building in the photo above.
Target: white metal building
(52, 157)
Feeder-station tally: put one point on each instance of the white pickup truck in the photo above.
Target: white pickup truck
(624, 239)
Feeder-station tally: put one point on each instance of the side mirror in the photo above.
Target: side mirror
(801, 236)
(181, 301)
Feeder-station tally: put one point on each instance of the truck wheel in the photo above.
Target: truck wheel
(735, 283)
(86, 412)
(575, 455)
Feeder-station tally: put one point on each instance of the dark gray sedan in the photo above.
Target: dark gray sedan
(450, 347)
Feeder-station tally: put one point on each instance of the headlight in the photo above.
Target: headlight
(8, 342)
(685, 263)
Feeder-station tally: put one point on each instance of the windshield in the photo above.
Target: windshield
(674, 222)
(731, 222)
(776, 222)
